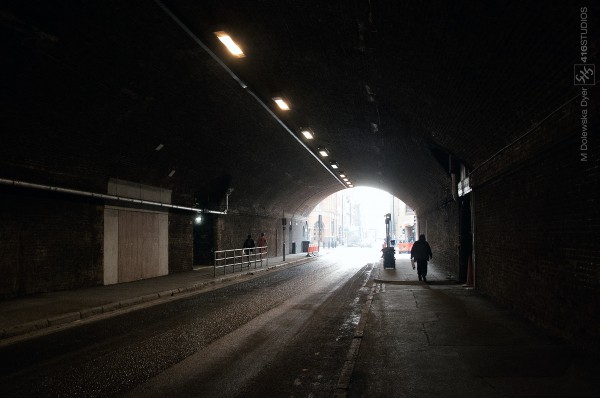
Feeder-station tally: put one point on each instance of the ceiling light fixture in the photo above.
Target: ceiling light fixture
(282, 103)
(233, 48)
(343, 175)
(237, 78)
(335, 165)
(324, 152)
(307, 133)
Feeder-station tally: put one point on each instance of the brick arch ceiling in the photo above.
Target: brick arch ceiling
(93, 89)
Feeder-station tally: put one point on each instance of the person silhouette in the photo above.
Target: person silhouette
(421, 253)
(262, 244)
(249, 247)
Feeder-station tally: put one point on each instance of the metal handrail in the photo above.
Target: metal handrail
(242, 258)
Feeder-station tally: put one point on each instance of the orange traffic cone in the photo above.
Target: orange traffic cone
(469, 274)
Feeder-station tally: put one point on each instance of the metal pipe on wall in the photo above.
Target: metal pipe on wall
(24, 184)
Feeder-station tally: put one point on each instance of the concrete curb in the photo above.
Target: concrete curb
(88, 313)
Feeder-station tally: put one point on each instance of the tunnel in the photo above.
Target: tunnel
(124, 121)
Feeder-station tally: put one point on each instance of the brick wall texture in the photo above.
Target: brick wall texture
(535, 219)
(536, 231)
(181, 242)
(530, 256)
(48, 242)
(440, 227)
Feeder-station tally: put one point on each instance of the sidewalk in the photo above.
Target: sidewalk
(28, 314)
(440, 339)
(404, 274)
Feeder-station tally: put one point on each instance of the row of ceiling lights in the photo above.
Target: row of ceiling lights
(284, 105)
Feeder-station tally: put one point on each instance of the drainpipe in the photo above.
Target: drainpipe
(24, 184)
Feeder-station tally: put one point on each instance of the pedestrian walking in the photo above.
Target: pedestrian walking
(421, 253)
(262, 245)
(249, 247)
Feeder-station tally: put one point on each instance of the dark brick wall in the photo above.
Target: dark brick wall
(48, 242)
(440, 226)
(181, 242)
(536, 231)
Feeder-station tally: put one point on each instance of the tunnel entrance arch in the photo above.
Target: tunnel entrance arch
(356, 217)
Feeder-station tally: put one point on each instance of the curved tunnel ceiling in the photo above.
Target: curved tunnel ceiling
(111, 89)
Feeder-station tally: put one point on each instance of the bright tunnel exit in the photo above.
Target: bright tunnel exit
(356, 218)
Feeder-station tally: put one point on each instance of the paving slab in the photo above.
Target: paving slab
(442, 339)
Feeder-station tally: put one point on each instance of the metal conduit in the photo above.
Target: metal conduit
(242, 84)
(24, 184)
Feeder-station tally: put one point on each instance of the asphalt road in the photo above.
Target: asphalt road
(284, 334)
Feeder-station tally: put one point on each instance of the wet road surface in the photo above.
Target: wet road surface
(280, 334)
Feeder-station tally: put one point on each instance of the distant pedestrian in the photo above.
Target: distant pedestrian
(262, 245)
(249, 247)
(421, 253)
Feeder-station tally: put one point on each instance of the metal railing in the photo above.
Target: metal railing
(241, 259)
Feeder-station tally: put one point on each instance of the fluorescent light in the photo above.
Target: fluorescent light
(171, 173)
(159, 147)
(345, 179)
(343, 175)
(198, 219)
(230, 44)
(334, 165)
(348, 182)
(324, 152)
(308, 134)
(281, 103)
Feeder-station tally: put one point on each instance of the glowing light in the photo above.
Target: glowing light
(324, 152)
(308, 134)
(281, 104)
(230, 44)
